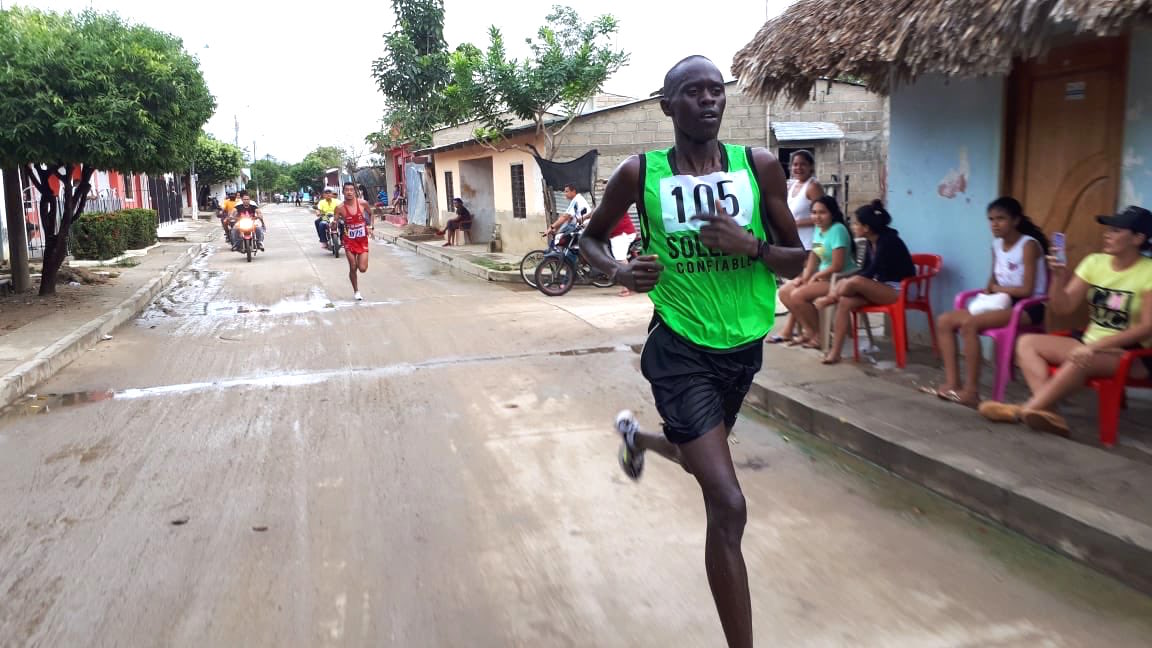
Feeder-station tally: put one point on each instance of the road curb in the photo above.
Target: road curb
(1107, 541)
(451, 260)
(67, 349)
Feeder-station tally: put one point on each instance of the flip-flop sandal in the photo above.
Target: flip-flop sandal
(999, 412)
(830, 361)
(778, 339)
(794, 342)
(953, 397)
(1049, 422)
(932, 391)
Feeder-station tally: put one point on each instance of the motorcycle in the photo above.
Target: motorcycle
(334, 236)
(563, 267)
(246, 226)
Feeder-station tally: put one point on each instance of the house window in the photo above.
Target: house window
(449, 191)
(519, 206)
(128, 188)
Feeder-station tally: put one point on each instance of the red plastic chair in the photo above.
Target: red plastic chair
(915, 295)
(1005, 337)
(1110, 392)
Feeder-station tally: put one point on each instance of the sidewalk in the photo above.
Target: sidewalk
(36, 351)
(474, 260)
(1071, 495)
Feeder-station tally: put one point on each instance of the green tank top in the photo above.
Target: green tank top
(714, 300)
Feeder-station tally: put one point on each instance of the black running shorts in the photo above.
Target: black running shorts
(696, 389)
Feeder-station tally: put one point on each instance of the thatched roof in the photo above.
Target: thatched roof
(887, 42)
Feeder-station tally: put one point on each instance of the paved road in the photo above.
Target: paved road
(260, 461)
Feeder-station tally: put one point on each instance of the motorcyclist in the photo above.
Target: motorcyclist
(573, 218)
(225, 214)
(251, 210)
(325, 207)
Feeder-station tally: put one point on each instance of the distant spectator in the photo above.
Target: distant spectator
(886, 264)
(463, 222)
(1018, 272)
(833, 252)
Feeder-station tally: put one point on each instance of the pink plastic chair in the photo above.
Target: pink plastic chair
(1005, 338)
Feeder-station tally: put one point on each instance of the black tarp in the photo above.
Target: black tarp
(580, 172)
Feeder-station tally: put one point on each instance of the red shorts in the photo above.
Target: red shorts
(356, 245)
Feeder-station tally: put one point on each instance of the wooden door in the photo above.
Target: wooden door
(1065, 125)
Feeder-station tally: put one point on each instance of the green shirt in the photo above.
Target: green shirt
(824, 243)
(713, 300)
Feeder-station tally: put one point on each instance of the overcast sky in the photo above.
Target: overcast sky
(263, 60)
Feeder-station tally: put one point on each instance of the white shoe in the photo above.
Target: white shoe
(358, 296)
(631, 458)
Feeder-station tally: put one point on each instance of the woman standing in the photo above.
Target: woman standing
(886, 264)
(803, 191)
(1117, 284)
(833, 252)
(1018, 272)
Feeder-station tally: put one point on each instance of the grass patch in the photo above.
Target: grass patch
(499, 266)
(126, 263)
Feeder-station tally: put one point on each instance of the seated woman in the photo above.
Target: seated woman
(463, 221)
(886, 263)
(1118, 287)
(1018, 272)
(833, 251)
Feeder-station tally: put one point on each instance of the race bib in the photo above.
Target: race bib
(682, 197)
(357, 231)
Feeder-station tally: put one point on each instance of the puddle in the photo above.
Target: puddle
(47, 403)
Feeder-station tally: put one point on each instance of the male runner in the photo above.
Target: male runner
(325, 207)
(716, 227)
(355, 215)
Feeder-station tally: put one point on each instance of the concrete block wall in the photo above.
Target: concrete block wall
(864, 118)
(633, 128)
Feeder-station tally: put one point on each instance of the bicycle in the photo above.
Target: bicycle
(531, 260)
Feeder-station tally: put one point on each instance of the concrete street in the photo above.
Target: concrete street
(261, 461)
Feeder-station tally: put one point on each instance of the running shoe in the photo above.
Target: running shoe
(631, 458)
(358, 296)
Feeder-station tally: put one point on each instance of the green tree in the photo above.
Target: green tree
(217, 161)
(330, 156)
(85, 92)
(309, 173)
(571, 60)
(271, 175)
(413, 74)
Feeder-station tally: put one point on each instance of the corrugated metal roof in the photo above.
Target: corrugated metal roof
(806, 131)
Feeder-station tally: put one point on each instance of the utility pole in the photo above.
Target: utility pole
(17, 230)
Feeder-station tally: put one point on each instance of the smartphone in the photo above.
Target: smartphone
(1058, 247)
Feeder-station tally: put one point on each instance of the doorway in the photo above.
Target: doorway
(1065, 130)
(477, 190)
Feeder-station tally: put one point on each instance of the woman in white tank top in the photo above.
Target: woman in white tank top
(1019, 272)
(803, 189)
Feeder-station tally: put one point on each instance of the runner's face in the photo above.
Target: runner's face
(349, 193)
(696, 105)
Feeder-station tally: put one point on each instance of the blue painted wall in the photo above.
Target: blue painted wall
(943, 170)
(1137, 176)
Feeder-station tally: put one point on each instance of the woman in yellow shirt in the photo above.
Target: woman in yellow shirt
(1118, 287)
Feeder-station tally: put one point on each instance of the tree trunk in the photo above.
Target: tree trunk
(57, 224)
(17, 230)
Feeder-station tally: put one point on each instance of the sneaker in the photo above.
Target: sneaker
(358, 297)
(631, 458)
